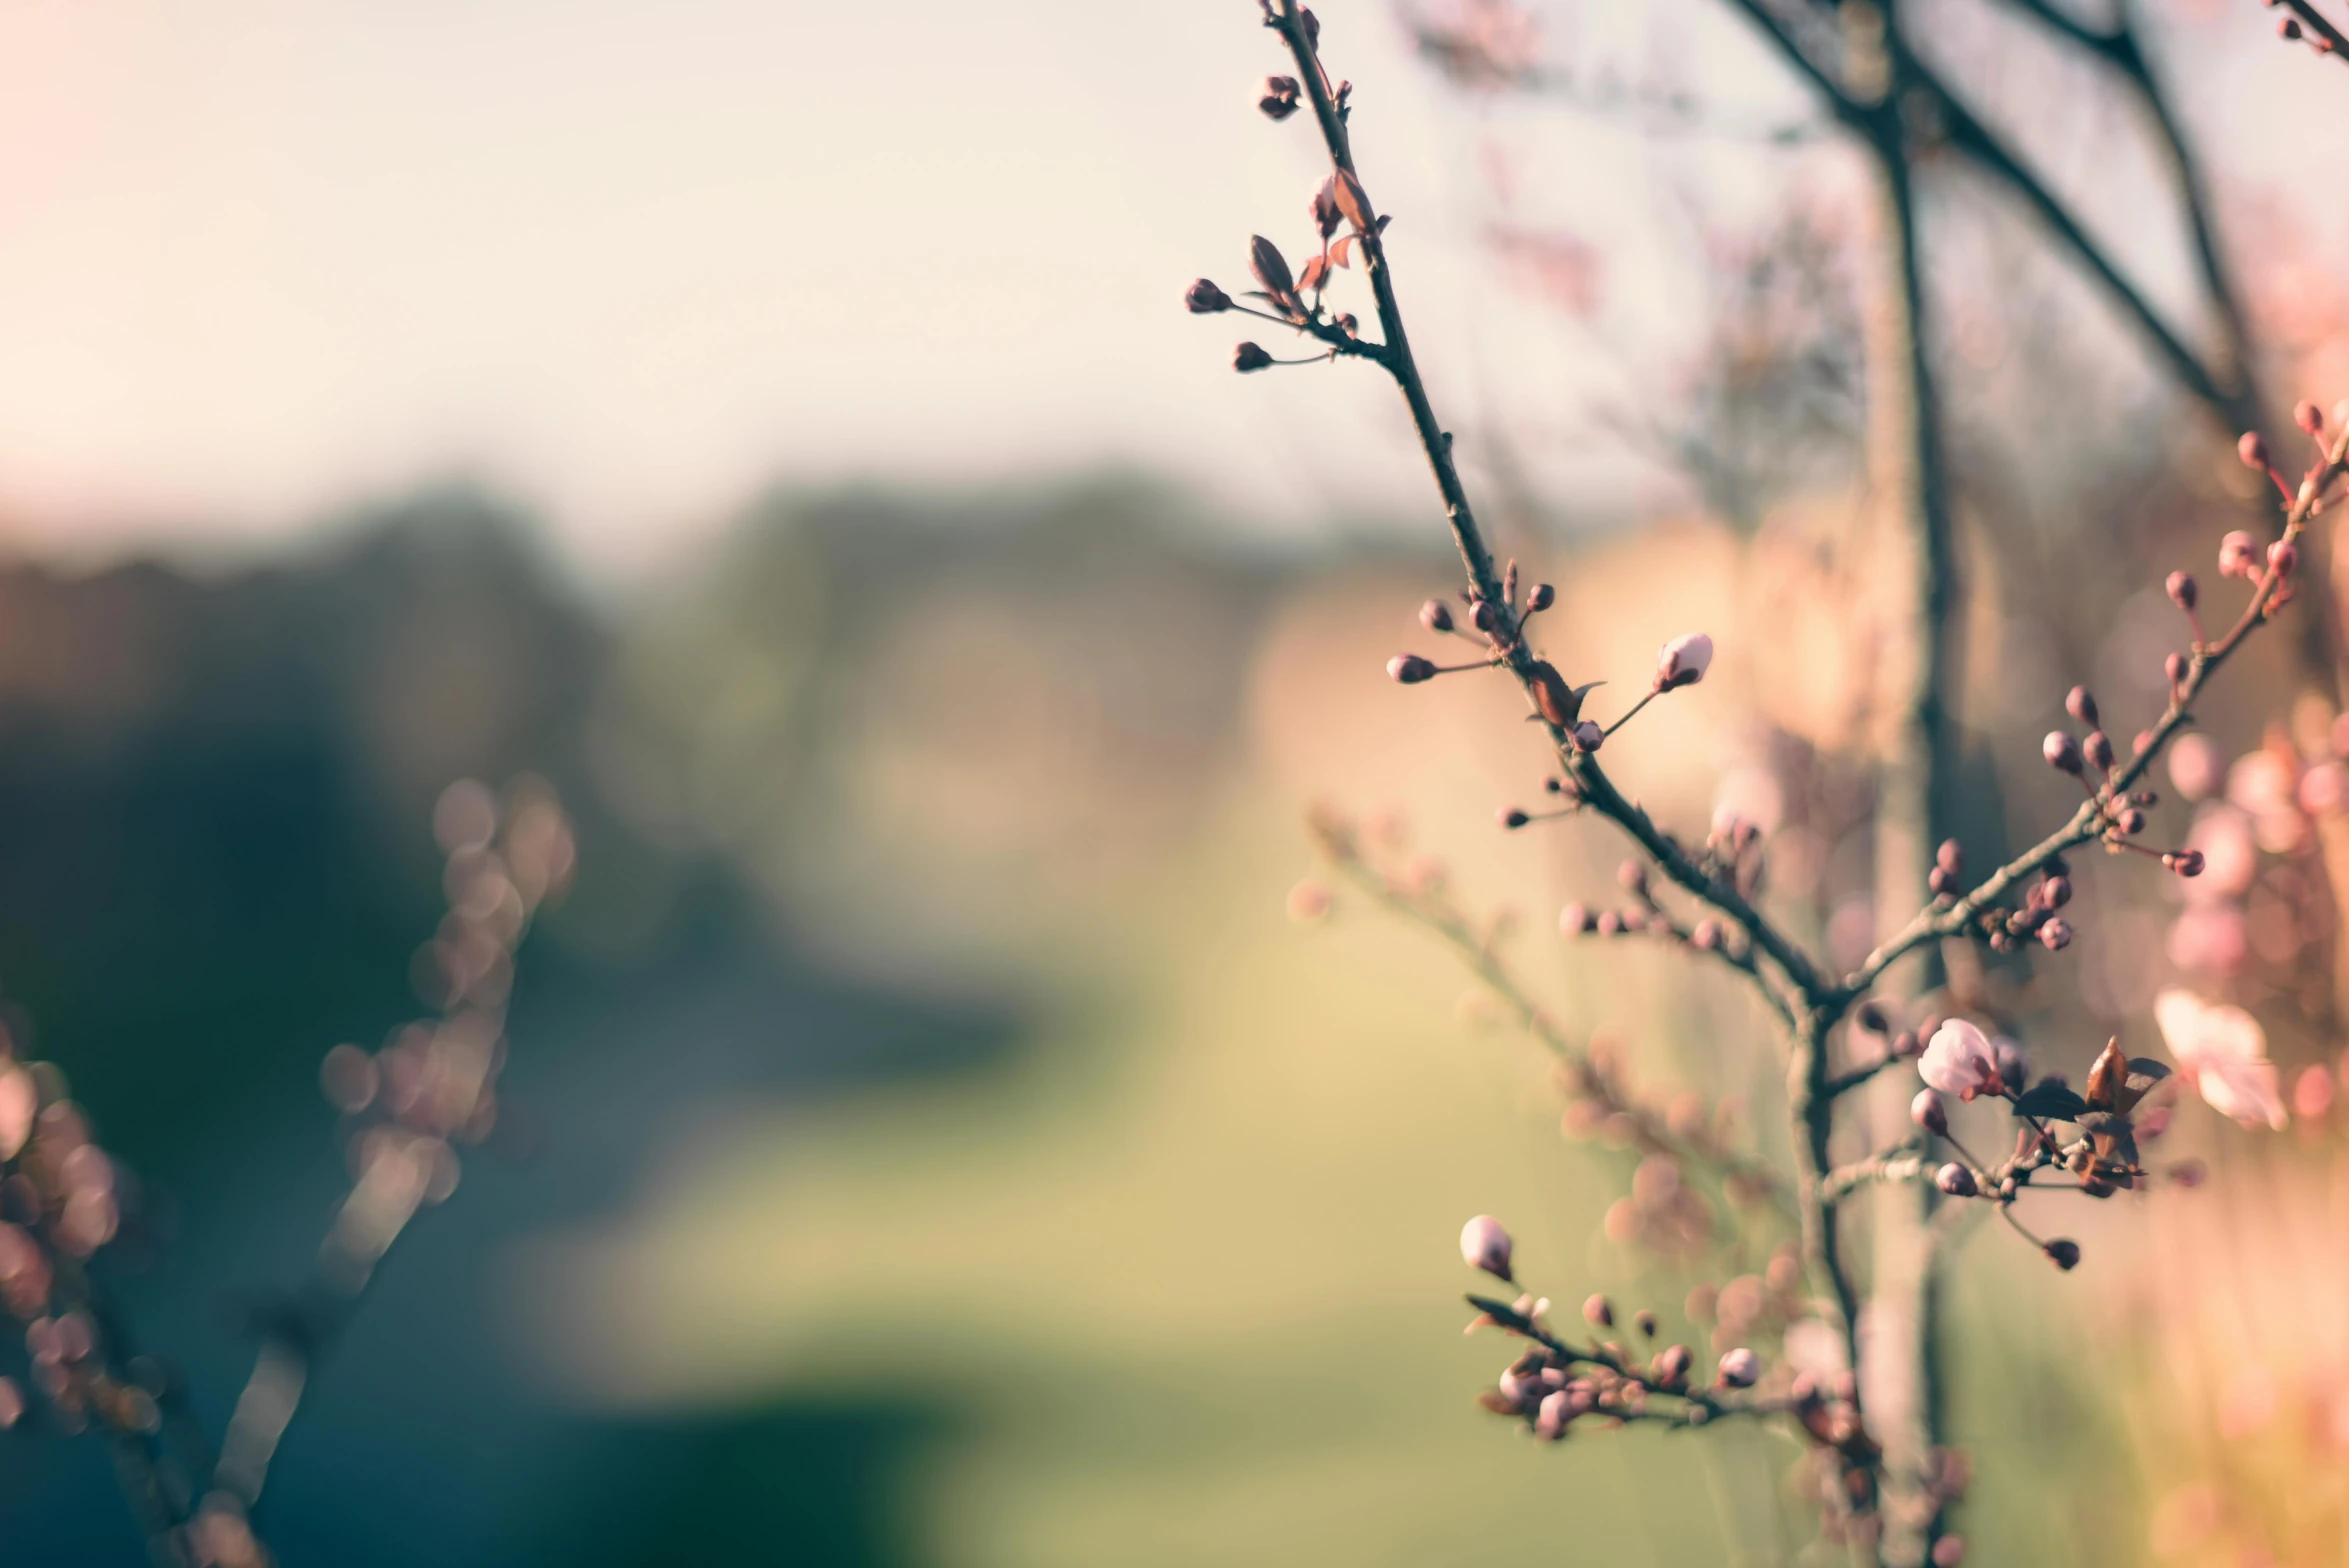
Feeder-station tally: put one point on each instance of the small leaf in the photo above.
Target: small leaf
(1316, 273)
(1341, 249)
(1383, 222)
(2145, 1075)
(1270, 267)
(1497, 1402)
(2049, 1098)
(1351, 200)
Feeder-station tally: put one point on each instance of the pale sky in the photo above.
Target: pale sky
(631, 260)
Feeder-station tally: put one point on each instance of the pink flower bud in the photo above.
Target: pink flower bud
(2097, 750)
(1277, 97)
(2308, 417)
(2283, 558)
(2061, 751)
(2238, 557)
(1672, 1365)
(1485, 1245)
(2252, 449)
(2056, 935)
(1483, 616)
(1556, 1410)
(1683, 661)
(1588, 737)
(2081, 705)
(1436, 616)
(1949, 1551)
(1706, 936)
(1927, 1111)
(2174, 667)
(1409, 669)
(2056, 891)
(1958, 1060)
(1956, 1180)
(1741, 1368)
(2183, 592)
(1205, 299)
(2063, 1254)
(1599, 1312)
(1573, 920)
(1249, 356)
(2186, 862)
(1540, 599)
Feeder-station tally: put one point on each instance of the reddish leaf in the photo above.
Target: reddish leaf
(1315, 275)
(1351, 201)
(1340, 250)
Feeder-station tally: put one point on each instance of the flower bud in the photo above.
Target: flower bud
(1436, 616)
(2185, 862)
(1741, 1368)
(1573, 920)
(2252, 449)
(1485, 1245)
(2131, 822)
(1483, 616)
(1277, 97)
(1205, 299)
(1557, 1408)
(1956, 1180)
(2183, 592)
(2056, 935)
(1588, 737)
(2308, 417)
(1511, 818)
(1599, 1312)
(1683, 661)
(2175, 668)
(1645, 1323)
(1409, 669)
(2283, 558)
(2097, 748)
(2081, 705)
(1927, 1111)
(1706, 935)
(2064, 1254)
(1672, 1365)
(1540, 598)
(2056, 891)
(2237, 555)
(1249, 356)
(2061, 751)
(1949, 1551)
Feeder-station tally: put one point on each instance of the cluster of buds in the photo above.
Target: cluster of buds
(1292, 297)
(2108, 1120)
(61, 1201)
(1497, 629)
(433, 1086)
(1752, 1308)
(2321, 36)
(1671, 1133)
(1644, 915)
(1552, 1383)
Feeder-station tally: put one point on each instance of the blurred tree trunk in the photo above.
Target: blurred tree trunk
(1909, 493)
